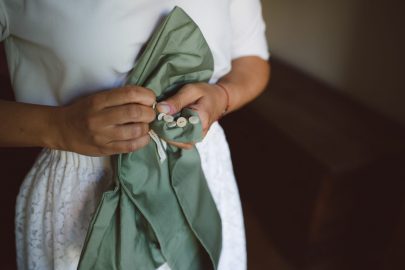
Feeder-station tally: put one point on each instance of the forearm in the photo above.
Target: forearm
(246, 80)
(23, 124)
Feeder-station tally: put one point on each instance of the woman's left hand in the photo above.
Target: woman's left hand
(209, 100)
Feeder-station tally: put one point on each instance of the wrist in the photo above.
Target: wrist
(226, 98)
(52, 137)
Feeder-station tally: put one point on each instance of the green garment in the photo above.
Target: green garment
(161, 208)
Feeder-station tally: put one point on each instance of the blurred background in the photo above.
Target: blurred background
(325, 187)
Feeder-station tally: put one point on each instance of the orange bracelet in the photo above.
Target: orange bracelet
(227, 99)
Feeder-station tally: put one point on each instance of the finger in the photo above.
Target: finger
(125, 95)
(201, 108)
(127, 132)
(129, 113)
(185, 96)
(128, 146)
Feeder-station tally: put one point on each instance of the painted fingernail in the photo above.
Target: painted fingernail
(163, 107)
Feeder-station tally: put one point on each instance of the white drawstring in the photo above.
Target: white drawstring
(161, 145)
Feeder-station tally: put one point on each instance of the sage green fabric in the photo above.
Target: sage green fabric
(160, 210)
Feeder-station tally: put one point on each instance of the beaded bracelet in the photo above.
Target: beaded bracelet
(227, 99)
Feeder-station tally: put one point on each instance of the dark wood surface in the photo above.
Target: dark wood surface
(325, 174)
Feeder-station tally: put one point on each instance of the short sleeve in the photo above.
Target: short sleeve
(4, 31)
(248, 29)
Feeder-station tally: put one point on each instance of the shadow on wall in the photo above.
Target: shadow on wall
(356, 46)
(375, 69)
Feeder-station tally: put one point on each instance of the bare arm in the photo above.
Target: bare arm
(246, 80)
(116, 121)
(104, 123)
(26, 124)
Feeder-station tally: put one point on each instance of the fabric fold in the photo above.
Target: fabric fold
(4, 29)
(160, 210)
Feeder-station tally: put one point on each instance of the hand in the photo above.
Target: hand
(108, 122)
(209, 100)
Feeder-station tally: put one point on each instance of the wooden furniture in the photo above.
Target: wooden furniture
(325, 174)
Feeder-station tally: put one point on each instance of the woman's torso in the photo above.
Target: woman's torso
(60, 50)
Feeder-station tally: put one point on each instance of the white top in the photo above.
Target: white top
(60, 50)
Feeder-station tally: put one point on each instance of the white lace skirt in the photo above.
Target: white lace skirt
(61, 192)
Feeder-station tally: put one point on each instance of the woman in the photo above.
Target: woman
(64, 58)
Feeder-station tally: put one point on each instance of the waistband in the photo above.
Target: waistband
(77, 160)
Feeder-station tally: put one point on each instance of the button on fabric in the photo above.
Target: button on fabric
(150, 189)
(168, 118)
(160, 116)
(193, 120)
(181, 122)
(171, 124)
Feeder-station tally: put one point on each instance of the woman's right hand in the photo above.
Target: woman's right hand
(106, 123)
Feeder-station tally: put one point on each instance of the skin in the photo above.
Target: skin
(246, 80)
(113, 122)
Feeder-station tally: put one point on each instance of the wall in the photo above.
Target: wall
(356, 46)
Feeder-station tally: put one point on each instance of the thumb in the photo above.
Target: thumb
(184, 97)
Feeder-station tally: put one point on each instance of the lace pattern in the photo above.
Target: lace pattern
(61, 191)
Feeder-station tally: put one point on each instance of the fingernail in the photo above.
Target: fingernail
(163, 107)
